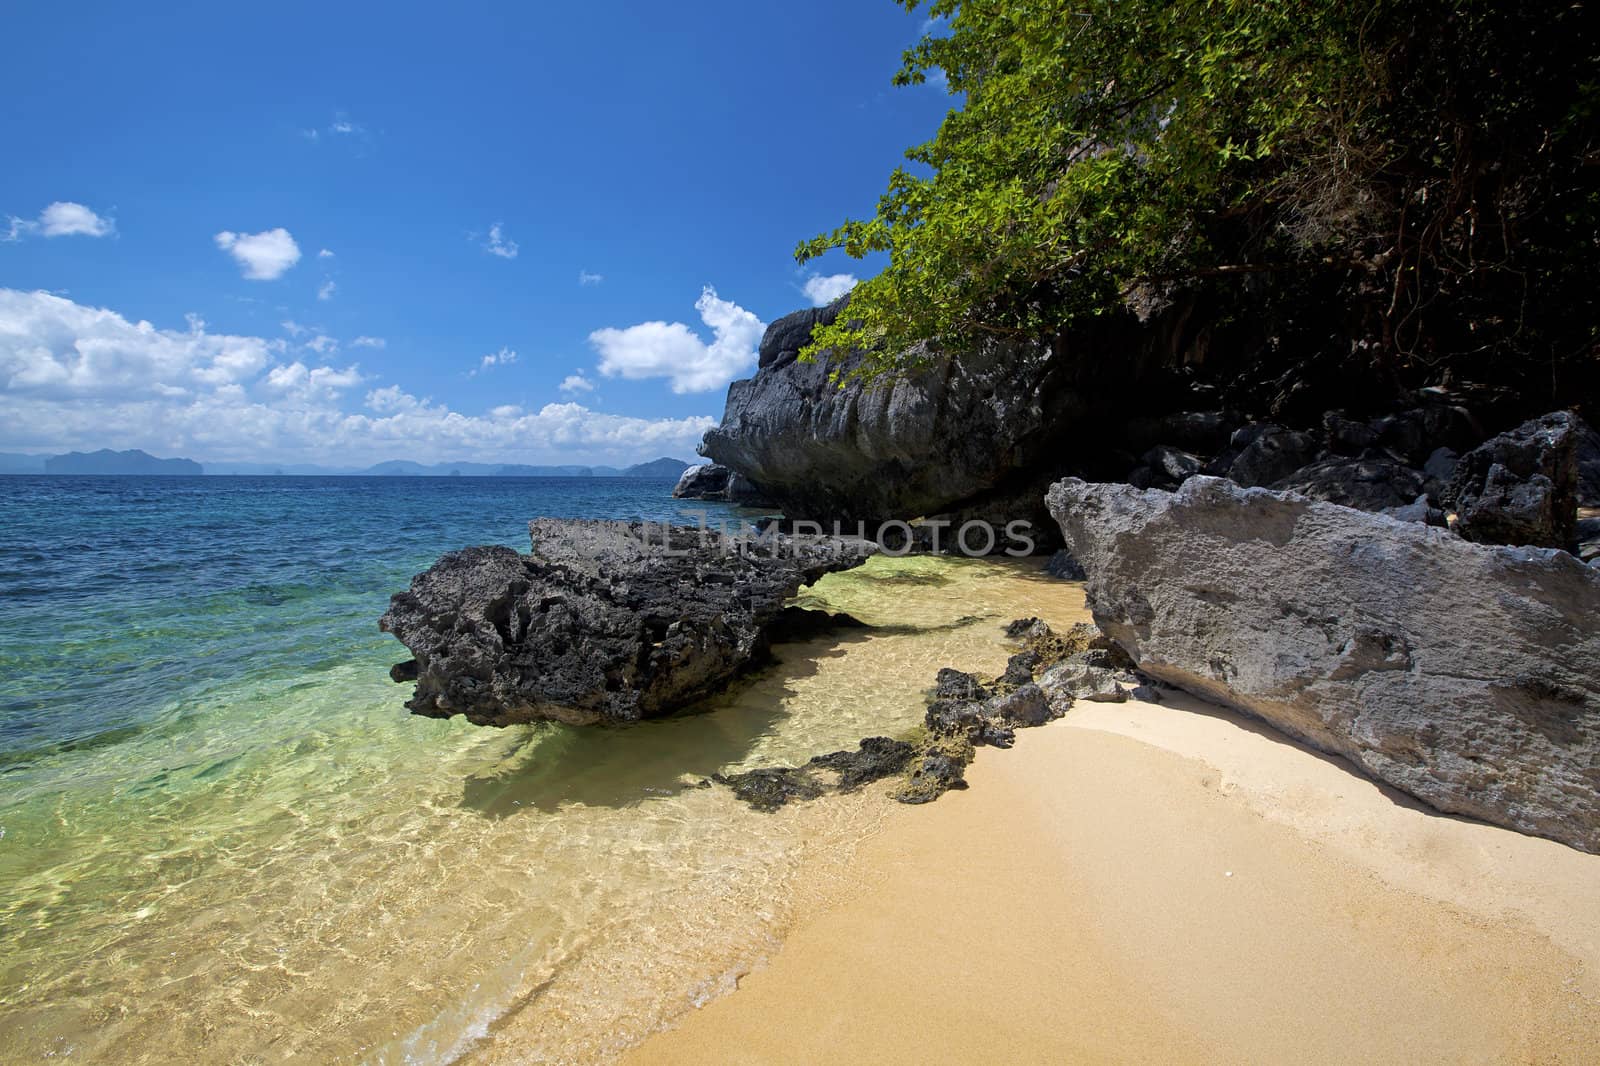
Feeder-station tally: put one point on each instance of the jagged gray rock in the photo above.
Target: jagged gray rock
(1521, 487)
(713, 481)
(604, 622)
(1370, 484)
(922, 443)
(1588, 467)
(1270, 452)
(708, 481)
(1464, 674)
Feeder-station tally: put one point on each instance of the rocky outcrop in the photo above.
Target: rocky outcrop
(1465, 675)
(713, 481)
(1589, 467)
(941, 440)
(708, 481)
(1039, 685)
(1521, 487)
(767, 789)
(604, 622)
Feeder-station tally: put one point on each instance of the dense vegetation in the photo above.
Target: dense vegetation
(1413, 186)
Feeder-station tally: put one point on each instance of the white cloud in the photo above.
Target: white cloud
(262, 256)
(293, 328)
(61, 219)
(302, 382)
(504, 357)
(323, 344)
(499, 244)
(324, 254)
(369, 342)
(822, 289)
(576, 383)
(327, 290)
(53, 348)
(674, 351)
(587, 278)
(79, 377)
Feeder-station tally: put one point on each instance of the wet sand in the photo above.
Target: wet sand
(1141, 883)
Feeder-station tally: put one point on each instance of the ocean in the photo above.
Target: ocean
(223, 839)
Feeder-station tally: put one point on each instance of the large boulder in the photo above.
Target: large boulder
(1370, 484)
(604, 622)
(1589, 467)
(708, 481)
(713, 481)
(1521, 487)
(918, 444)
(1463, 674)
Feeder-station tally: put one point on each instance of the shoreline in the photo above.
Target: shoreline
(1174, 883)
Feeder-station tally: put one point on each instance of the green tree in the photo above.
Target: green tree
(1435, 161)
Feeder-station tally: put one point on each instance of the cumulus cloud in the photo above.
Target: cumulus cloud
(61, 219)
(80, 377)
(327, 290)
(576, 383)
(673, 351)
(587, 278)
(504, 357)
(262, 256)
(369, 342)
(324, 254)
(823, 289)
(499, 244)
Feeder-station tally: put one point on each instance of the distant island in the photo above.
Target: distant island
(105, 461)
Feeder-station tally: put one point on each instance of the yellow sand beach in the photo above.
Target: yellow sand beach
(1143, 883)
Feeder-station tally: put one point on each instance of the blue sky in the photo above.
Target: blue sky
(342, 233)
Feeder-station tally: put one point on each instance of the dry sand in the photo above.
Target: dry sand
(1141, 883)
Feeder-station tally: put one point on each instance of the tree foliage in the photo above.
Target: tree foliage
(1436, 161)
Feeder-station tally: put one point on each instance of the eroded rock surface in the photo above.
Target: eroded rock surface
(956, 439)
(1521, 487)
(603, 622)
(1464, 674)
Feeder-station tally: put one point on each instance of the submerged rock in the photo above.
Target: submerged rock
(604, 622)
(1463, 674)
(769, 789)
(957, 685)
(874, 759)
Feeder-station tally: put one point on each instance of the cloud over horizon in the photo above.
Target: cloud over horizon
(673, 351)
(75, 377)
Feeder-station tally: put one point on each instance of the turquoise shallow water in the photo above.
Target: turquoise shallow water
(222, 839)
